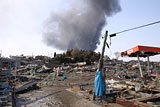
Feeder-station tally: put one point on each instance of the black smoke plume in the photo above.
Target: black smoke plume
(80, 25)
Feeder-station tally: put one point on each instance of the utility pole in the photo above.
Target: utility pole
(100, 65)
(99, 83)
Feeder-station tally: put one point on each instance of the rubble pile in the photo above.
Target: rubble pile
(125, 86)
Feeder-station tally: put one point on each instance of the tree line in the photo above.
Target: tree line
(77, 55)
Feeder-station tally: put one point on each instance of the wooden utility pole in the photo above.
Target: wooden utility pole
(100, 69)
(100, 65)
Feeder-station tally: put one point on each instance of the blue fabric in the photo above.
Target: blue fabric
(64, 77)
(12, 65)
(99, 84)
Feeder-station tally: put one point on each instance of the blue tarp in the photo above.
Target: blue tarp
(99, 84)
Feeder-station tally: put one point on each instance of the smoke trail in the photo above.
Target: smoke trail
(80, 26)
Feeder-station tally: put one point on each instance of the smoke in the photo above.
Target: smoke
(80, 25)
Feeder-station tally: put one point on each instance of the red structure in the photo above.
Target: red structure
(142, 51)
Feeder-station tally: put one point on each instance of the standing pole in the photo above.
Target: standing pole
(100, 66)
(140, 68)
(148, 65)
(99, 83)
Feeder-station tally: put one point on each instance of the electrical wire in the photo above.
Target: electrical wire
(137, 27)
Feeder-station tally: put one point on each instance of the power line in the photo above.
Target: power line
(134, 28)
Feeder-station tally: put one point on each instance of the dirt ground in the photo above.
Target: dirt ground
(61, 93)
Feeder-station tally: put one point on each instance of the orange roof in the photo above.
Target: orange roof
(142, 51)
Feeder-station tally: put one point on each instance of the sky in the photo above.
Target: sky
(22, 24)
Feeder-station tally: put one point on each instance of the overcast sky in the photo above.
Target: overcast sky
(22, 21)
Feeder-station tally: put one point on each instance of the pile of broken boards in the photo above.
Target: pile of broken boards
(125, 92)
(24, 84)
(30, 79)
(135, 93)
(134, 90)
(26, 80)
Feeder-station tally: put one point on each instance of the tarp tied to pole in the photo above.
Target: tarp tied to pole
(99, 84)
